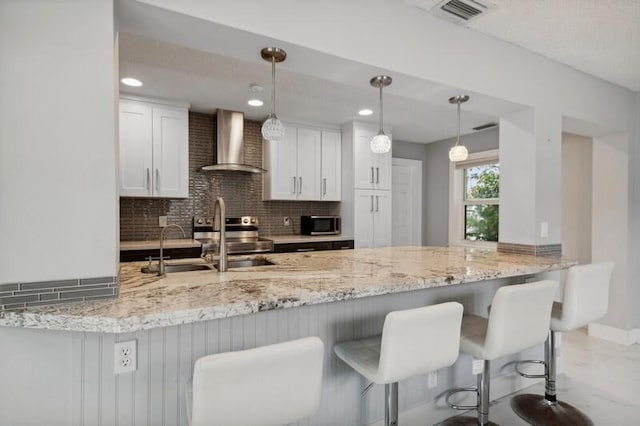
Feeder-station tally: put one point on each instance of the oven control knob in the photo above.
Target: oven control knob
(245, 220)
(253, 220)
(200, 221)
(209, 221)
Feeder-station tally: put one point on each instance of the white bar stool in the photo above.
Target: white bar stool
(586, 299)
(413, 342)
(519, 319)
(271, 385)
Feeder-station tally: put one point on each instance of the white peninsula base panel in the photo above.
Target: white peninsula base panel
(74, 370)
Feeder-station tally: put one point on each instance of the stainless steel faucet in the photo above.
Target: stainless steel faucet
(219, 212)
(161, 271)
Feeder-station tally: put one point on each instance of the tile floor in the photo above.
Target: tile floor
(601, 379)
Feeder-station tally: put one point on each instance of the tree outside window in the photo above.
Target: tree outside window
(482, 202)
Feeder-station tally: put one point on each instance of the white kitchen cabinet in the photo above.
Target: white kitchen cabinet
(154, 150)
(372, 212)
(331, 165)
(371, 170)
(303, 166)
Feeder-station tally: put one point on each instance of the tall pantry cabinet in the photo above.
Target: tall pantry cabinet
(366, 188)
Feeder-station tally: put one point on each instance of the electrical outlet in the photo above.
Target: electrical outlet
(433, 379)
(544, 230)
(287, 221)
(125, 357)
(162, 221)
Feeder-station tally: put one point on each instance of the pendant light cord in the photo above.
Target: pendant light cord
(273, 86)
(381, 109)
(458, 140)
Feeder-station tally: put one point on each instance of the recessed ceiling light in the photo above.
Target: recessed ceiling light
(255, 102)
(365, 112)
(133, 82)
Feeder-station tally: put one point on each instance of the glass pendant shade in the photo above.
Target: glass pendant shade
(380, 143)
(458, 153)
(272, 129)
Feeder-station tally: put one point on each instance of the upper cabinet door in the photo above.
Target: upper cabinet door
(309, 158)
(364, 161)
(331, 165)
(170, 152)
(136, 149)
(280, 159)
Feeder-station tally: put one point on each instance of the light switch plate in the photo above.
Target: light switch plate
(162, 221)
(286, 221)
(433, 379)
(544, 230)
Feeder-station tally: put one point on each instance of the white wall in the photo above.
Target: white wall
(58, 200)
(577, 152)
(610, 183)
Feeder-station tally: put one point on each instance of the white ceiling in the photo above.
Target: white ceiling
(212, 66)
(598, 37)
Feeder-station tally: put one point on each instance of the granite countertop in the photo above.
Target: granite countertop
(296, 279)
(286, 239)
(155, 244)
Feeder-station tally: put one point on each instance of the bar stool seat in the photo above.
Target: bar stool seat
(413, 342)
(586, 299)
(519, 319)
(270, 385)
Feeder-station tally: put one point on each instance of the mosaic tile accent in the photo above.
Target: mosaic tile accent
(23, 295)
(535, 250)
(242, 192)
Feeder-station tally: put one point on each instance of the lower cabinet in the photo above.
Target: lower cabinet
(313, 246)
(372, 218)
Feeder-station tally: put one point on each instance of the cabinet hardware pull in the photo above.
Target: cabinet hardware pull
(157, 180)
(377, 204)
(371, 203)
(377, 174)
(294, 186)
(324, 186)
(371, 174)
(305, 249)
(148, 179)
(300, 189)
(345, 247)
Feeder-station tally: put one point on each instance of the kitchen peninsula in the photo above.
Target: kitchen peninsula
(335, 295)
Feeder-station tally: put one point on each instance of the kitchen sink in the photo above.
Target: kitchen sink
(247, 263)
(184, 267)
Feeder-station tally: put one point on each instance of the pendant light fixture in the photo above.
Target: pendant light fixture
(458, 152)
(272, 128)
(380, 143)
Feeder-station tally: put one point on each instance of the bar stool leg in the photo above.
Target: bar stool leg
(541, 411)
(391, 404)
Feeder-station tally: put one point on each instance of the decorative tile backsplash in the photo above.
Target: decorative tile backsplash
(242, 192)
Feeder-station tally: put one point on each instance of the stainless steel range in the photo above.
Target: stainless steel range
(241, 232)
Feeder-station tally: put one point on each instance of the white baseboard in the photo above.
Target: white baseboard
(615, 335)
(433, 412)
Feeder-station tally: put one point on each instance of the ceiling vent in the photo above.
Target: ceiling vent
(461, 11)
(486, 126)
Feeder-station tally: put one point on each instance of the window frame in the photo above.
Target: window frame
(457, 201)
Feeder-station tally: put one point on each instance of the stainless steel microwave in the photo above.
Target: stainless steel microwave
(320, 225)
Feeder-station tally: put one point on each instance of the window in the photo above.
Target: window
(475, 200)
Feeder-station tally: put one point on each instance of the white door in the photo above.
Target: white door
(136, 149)
(382, 219)
(281, 159)
(363, 206)
(331, 165)
(407, 202)
(170, 153)
(309, 159)
(364, 162)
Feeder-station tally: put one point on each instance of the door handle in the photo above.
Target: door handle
(377, 203)
(294, 186)
(371, 174)
(148, 179)
(300, 189)
(324, 186)
(157, 180)
(371, 203)
(377, 174)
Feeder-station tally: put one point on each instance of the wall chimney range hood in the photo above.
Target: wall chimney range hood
(230, 144)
